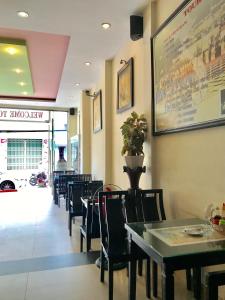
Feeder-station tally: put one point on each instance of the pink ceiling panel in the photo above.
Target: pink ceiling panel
(47, 54)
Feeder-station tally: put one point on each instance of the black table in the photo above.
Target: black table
(173, 257)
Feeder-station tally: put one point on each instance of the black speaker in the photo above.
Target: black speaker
(136, 27)
(72, 111)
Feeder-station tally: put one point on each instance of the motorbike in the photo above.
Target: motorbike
(39, 179)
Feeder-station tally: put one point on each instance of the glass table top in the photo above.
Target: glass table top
(179, 237)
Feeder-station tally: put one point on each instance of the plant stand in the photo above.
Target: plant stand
(133, 206)
(134, 175)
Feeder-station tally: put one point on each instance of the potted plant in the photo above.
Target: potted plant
(134, 133)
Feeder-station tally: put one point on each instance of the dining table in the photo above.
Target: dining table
(175, 245)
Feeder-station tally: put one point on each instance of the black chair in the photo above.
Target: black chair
(55, 185)
(213, 281)
(147, 206)
(90, 228)
(63, 181)
(75, 203)
(114, 242)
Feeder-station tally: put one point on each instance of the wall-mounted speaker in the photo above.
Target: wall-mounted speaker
(136, 27)
(72, 111)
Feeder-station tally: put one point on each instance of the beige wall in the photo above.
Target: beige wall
(101, 150)
(189, 166)
(107, 162)
(72, 131)
(98, 141)
(85, 134)
(140, 51)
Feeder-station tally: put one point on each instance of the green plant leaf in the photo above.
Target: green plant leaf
(133, 132)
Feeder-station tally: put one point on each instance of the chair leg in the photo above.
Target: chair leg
(110, 270)
(188, 279)
(81, 242)
(197, 283)
(70, 224)
(212, 292)
(155, 279)
(102, 270)
(88, 244)
(148, 278)
(140, 267)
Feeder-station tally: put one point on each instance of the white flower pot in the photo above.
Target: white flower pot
(134, 161)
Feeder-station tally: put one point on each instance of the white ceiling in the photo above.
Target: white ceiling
(81, 20)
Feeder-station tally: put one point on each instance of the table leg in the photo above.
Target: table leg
(132, 273)
(132, 280)
(167, 283)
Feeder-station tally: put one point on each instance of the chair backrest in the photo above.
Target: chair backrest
(145, 206)
(152, 205)
(96, 186)
(92, 187)
(64, 178)
(70, 172)
(112, 220)
(84, 177)
(76, 192)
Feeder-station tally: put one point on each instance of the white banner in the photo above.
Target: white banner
(23, 115)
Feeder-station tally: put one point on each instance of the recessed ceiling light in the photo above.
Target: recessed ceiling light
(22, 14)
(22, 83)
(106, 26)
(18, 71)
(11, 50)
(24, 93)
(77, 84)
(87, 63)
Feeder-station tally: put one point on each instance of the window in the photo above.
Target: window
(24, 154)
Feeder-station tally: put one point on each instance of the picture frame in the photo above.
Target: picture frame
(188, 57)
(97, 112)
(125, 86)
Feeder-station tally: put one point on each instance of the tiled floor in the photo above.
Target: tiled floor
(39, 261)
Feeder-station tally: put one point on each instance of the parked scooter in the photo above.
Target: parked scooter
(39, 179)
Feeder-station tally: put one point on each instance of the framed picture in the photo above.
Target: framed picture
(97, 112)
(125, 89)
(188, 68)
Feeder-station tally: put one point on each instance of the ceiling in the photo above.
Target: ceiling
(80, 21)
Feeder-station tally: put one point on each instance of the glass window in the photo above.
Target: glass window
(24, 154)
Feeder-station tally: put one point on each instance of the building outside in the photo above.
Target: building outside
(26, 143)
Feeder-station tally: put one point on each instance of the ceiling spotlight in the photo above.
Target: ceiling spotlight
(77, 84)
(22, 83)
(106, 26)
(87, 63)
(11, 50)
(22, 14)
(24, 93)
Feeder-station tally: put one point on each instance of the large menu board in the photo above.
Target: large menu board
(188, 59)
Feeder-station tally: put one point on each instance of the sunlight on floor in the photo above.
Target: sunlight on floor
(32, 204)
